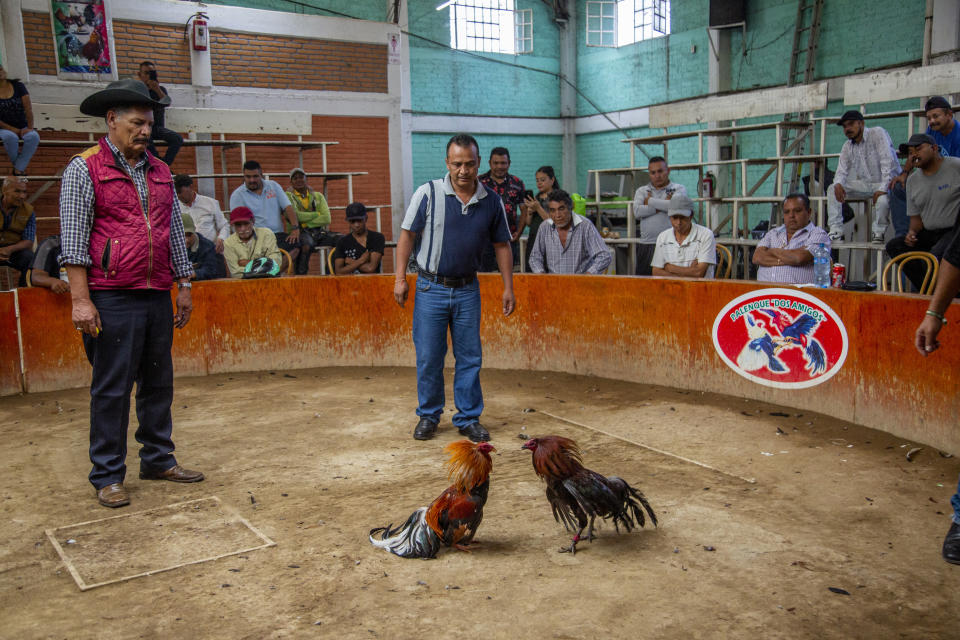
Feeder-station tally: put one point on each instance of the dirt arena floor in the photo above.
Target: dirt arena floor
(838, 536)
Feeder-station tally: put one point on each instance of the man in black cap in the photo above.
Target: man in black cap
(123, 248)
(933, 198)
(360, 251)
(944, 129)
(867, 164)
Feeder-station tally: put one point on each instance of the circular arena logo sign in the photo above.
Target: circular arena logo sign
(781, 338)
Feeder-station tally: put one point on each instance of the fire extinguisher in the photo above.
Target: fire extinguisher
(200, 35)
(708, 185)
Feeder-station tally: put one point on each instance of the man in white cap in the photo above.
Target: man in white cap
(686, 249)
(123, 248)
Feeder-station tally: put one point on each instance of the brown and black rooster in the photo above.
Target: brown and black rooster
(453, 518)
(578, 495)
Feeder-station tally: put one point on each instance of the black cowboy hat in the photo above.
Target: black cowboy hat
(120, 93)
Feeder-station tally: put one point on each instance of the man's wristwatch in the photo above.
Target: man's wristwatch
(184, 285)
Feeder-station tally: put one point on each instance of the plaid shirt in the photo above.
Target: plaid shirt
(586, 252)
(76, 213)
(806, 238)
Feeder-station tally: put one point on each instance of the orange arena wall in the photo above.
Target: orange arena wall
(647, 330)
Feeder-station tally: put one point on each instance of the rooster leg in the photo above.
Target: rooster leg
(590, 535)
(462, 547)
(572, 549)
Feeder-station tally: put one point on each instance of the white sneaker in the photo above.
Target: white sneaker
(836, 234)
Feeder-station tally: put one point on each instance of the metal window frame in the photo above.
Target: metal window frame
(475, 25)
(522, 23)
(646, 18)
(600, 5)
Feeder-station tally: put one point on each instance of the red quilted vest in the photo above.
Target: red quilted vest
(130, 249)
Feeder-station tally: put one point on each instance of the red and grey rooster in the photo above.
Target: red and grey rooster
(453, 518)
(578, 495)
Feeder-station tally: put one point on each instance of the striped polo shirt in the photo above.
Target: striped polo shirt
(451, 235)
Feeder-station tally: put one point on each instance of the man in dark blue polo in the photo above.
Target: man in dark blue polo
(446, 226)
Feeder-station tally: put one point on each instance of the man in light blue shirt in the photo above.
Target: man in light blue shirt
(269, 204)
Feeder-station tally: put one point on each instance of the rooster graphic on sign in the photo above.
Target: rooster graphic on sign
(770, 332)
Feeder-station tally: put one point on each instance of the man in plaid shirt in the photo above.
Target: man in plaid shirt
(123, 247)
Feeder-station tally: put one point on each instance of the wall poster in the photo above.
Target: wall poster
(83, 38)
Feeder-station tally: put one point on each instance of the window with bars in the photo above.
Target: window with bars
(616, 23)
(494, 26)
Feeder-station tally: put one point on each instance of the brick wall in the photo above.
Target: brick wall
(161, 44)
(41, 56)
(251, 60)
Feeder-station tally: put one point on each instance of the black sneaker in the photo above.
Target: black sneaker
(475, 432)
(951, 545)
(425, 429)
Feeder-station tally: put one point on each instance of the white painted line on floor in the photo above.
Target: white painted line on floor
(654, 449)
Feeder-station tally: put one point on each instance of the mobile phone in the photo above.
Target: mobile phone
(152, 74)
(527, 194)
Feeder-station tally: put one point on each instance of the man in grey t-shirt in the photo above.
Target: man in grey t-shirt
(933, 199)
(652, 205)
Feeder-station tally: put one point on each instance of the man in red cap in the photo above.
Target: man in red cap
(123, 248)
(247, 243)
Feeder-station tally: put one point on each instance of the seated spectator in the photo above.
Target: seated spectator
(46, 271)
(361, 250)
(269, 204)
(933, 197)
(19, 227)
(313, 214)
(16, 123)
(248, 243)
(206, 214)
(652, 204)
(945, 131)
(535, 207)
(867, 165)
(687, 249)
(568, 242)
(207, 264)
(786, 252)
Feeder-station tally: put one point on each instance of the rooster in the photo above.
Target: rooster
(453, 518)
(577, 493)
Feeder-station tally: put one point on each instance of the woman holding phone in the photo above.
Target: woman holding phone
(535, 206)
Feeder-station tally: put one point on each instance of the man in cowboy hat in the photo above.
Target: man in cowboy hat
(123, 248)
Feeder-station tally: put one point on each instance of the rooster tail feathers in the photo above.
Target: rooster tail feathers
(632, 502)
(413, 539)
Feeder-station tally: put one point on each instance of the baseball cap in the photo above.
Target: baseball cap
(297, 170)
(937, 102)
(356, 211)
(683, 204)
(188, 224)
(852, 114)
(916, 140)
(261, 268)
(240, 213)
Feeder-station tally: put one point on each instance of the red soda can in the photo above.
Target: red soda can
(838, 275)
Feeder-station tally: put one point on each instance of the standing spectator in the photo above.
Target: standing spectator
(269, 203)
(123, 249)
(786, 253)
(46, 267)
(925, 339)
(16, 123)
(568, 242)
(945, 131)
(148, 76)
(360, 251)
(313, 214)
(207, 263)
(446, 227)
(933, 198)
(247, 243)
(652, 205)
(867, 164)
(19, 227)
(535, 207)
(687, 249)
(510, 189)
(205, 212)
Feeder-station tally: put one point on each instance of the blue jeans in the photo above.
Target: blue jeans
(133, 347)
(955, 503)
(20, 157)
(436, 308)
(898, 210)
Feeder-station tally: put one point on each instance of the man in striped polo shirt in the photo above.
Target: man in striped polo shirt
(445, 228)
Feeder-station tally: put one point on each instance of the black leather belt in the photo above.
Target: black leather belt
(453, 283)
